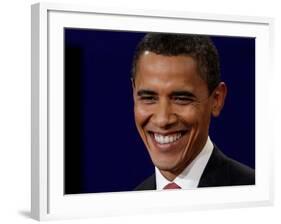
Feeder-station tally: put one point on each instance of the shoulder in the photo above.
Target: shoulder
(148, 184)
(240, 173)
(224, 171)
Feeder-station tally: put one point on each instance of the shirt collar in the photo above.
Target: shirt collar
(190, 176)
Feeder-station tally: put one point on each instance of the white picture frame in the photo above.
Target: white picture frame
(48, 200)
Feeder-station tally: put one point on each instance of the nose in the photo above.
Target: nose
(164, 116)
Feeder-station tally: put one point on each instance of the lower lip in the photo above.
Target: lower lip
(168, 146)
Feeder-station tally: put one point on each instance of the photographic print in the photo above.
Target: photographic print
(133, 111)
(103, 150)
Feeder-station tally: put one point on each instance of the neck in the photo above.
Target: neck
(168, 175)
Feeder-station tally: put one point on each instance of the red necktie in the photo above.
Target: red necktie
(172, 186)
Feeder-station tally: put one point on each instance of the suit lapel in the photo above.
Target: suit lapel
(215, 173)
(148, 184)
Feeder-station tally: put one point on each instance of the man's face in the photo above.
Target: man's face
(172, 110)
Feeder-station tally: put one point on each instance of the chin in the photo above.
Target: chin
(166, 164)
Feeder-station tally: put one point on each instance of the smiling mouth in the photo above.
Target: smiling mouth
(167, 138)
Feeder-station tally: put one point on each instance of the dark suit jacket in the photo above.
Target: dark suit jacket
(219, 171)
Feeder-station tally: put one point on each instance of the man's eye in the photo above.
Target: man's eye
(182, 100)
(148, 99)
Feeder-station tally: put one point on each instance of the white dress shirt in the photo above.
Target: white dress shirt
(190, 176)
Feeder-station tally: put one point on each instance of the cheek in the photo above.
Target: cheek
(189, 115)
(196, 113)
(141, 119)
(141, 115)
(200, 118)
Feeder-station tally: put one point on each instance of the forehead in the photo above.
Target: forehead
(162, 70)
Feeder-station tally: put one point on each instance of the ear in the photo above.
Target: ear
(218, 97)
(133, 86)
(133, 83)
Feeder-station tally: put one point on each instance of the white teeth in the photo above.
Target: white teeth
(161, 139)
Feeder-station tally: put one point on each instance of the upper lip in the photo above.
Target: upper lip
(166, 133)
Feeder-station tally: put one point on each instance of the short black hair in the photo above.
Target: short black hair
(199, 47)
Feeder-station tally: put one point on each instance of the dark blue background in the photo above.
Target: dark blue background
(103, 151)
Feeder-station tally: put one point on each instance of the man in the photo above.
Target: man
(177, 89)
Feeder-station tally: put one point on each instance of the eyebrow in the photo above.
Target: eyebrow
(183, 93)
(146, 92)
